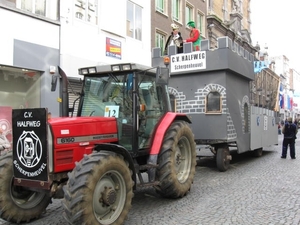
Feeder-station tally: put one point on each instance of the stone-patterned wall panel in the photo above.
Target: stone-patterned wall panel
(197, 105)
(242, 111)
(231, 132)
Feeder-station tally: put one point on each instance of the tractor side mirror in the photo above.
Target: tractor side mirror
(162, 75)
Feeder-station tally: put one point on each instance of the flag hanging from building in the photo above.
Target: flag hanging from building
(260, 65)
(281, 96)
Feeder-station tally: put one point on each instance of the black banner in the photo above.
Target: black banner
(30, 144)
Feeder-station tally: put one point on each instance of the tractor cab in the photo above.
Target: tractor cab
(135, 95)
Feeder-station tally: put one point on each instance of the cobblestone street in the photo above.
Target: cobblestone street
(263, 190)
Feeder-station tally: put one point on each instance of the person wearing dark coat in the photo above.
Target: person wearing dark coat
(174, 39)
(289, 131)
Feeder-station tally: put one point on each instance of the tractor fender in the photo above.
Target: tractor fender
(120, 150)
(161, 129)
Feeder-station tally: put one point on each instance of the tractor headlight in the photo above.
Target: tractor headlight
(84, 71)
(115, 68)
(126, 67)
(92, 70)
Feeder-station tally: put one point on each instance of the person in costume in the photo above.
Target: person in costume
(195, 37)
(174, 39)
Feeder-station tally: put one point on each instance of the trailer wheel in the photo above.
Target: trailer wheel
(177, 161)
(223, 158)
(18, 204)
(258, 152)
(99, 190)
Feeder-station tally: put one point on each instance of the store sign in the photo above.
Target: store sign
(113, 48)
(29, 143)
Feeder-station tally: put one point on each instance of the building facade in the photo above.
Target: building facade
(179, 12)
(214, 19)
(230, 18)
(29, 47)
(41, 35)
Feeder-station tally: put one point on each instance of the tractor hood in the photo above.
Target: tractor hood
(82, 130)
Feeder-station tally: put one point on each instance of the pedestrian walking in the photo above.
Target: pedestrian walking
(289, 131)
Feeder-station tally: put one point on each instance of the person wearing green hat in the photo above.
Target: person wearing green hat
(195, 37)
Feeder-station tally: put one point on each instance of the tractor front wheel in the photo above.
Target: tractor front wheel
(99, 190)
(176, 161)
(18, 204)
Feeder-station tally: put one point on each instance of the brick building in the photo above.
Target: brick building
(214, 18)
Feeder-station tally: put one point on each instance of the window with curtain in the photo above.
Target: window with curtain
(134, 21)
(160, 5)
(160, 41)
(176, 10)
(87, 10)
(200, 23)
(44, 8)
(189, 13)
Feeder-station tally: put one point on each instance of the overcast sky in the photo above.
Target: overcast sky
(272, 24)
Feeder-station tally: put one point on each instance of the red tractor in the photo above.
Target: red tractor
(124, 130)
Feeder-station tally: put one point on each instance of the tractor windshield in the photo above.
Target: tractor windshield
(111, 96)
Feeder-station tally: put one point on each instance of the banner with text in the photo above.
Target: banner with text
(30, 144)
(188, 61)
(113, 48)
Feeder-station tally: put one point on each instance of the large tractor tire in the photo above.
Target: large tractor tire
(176, 161)
(18, 204)
(99, 190)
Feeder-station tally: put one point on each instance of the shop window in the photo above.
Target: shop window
(213, 102)
(19, 88)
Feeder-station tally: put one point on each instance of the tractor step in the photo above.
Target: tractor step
(147, 166)
(150, 184)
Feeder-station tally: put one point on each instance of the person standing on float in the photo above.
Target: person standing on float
(195, 37)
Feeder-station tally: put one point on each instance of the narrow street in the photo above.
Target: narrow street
(263, 190)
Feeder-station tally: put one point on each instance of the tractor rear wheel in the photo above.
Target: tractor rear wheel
(18, 204)
(177, 161)
(99, 190)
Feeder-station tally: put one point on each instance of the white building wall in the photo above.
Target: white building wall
(17, 26)
(83, 44)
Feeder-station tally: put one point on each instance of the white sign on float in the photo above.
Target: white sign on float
(188, 61)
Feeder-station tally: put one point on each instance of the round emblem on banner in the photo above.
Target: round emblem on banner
(29, 149)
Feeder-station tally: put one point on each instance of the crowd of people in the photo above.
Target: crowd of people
(176, 39)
